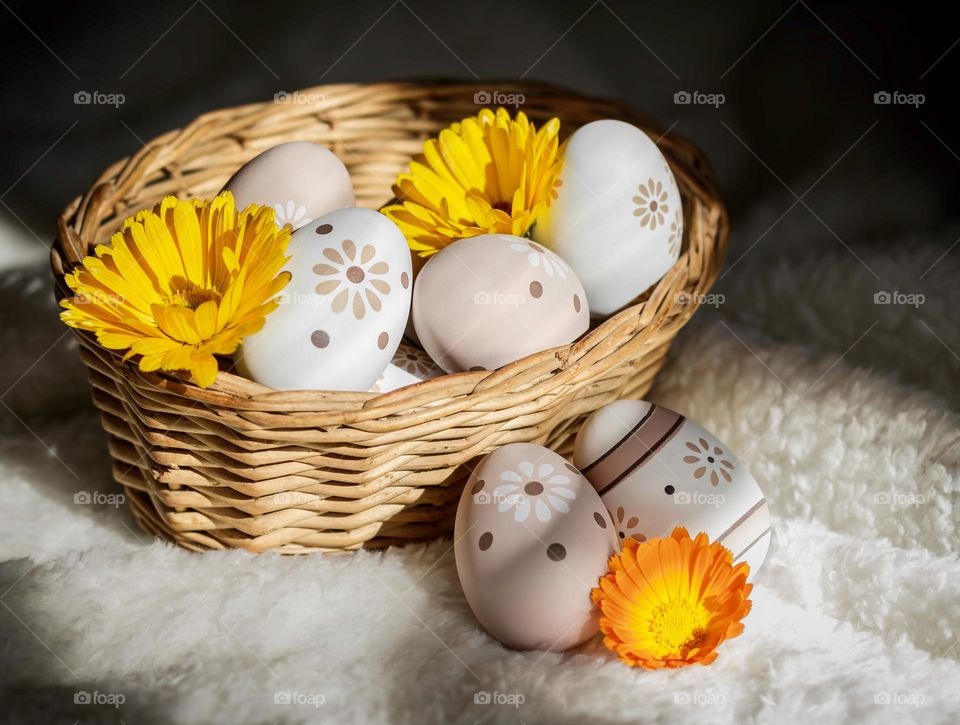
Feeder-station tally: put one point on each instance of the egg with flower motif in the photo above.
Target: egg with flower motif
(617, 218)
(488, 300)
(300, 180)
(655, 470)
(409, 366)
(342, 315)
(531, 539)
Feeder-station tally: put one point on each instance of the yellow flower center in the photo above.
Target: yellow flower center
(190, 294)
(679, 624)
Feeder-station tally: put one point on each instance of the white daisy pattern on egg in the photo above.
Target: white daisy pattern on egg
(676, 233)
(537, 490)
(290, 213)
(537, 256)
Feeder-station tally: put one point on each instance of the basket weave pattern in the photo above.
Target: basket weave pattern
(240, 465)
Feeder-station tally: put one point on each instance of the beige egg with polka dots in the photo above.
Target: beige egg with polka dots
(531, 540)
(342, 315)
(488, 300)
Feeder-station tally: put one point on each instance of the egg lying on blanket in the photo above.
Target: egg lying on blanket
(488, 300)
(300, 180)
(342, 315)
(655, 470)
(409, 366)
(617, 219)
(531, 539)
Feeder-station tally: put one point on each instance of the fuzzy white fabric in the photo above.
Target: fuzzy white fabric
(845, 410)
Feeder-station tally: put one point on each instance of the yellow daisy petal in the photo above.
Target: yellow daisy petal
(181, 283)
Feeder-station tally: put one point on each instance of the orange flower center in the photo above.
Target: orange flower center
(679, 624)
(184, 293)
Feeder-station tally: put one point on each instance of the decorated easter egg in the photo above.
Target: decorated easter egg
(342, 315)
(484, 301)
(655, 470)
(531, 539)
(617, 217)
(409, 366)
(300, 180)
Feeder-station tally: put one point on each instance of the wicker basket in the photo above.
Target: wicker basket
(240, 465)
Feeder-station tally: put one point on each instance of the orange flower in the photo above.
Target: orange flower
(670, 602)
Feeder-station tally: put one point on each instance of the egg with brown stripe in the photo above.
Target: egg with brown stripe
(655, 470)
(531, 540)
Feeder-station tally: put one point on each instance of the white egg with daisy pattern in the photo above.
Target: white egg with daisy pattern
(342, 315)
(617, 218)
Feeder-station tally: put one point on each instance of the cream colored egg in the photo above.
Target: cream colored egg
(618, 218)
(531, 539)
(302, 181)
(485, 301)
(342, 315)
(655, 470)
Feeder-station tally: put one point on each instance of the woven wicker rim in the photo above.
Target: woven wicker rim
(120, 191)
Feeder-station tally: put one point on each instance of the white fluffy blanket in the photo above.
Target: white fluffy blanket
(845, 410)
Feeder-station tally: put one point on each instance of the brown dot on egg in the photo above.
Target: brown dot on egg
(383, 340)
(533, 488)
(556, 552)
(576, 303)
(477, 487)
(601, 522)
(355, 274)
(404, 280)
(486, 541)
(324, 228)
(668, 489)
(320, 338)
(622, 535)
(536, 290)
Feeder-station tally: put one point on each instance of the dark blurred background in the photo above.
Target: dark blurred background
(798, 81)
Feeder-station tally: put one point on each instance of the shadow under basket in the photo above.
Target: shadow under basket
(241, 465)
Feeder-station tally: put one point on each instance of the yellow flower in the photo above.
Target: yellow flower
(181, 284)
(670, 602)
(486, 174)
